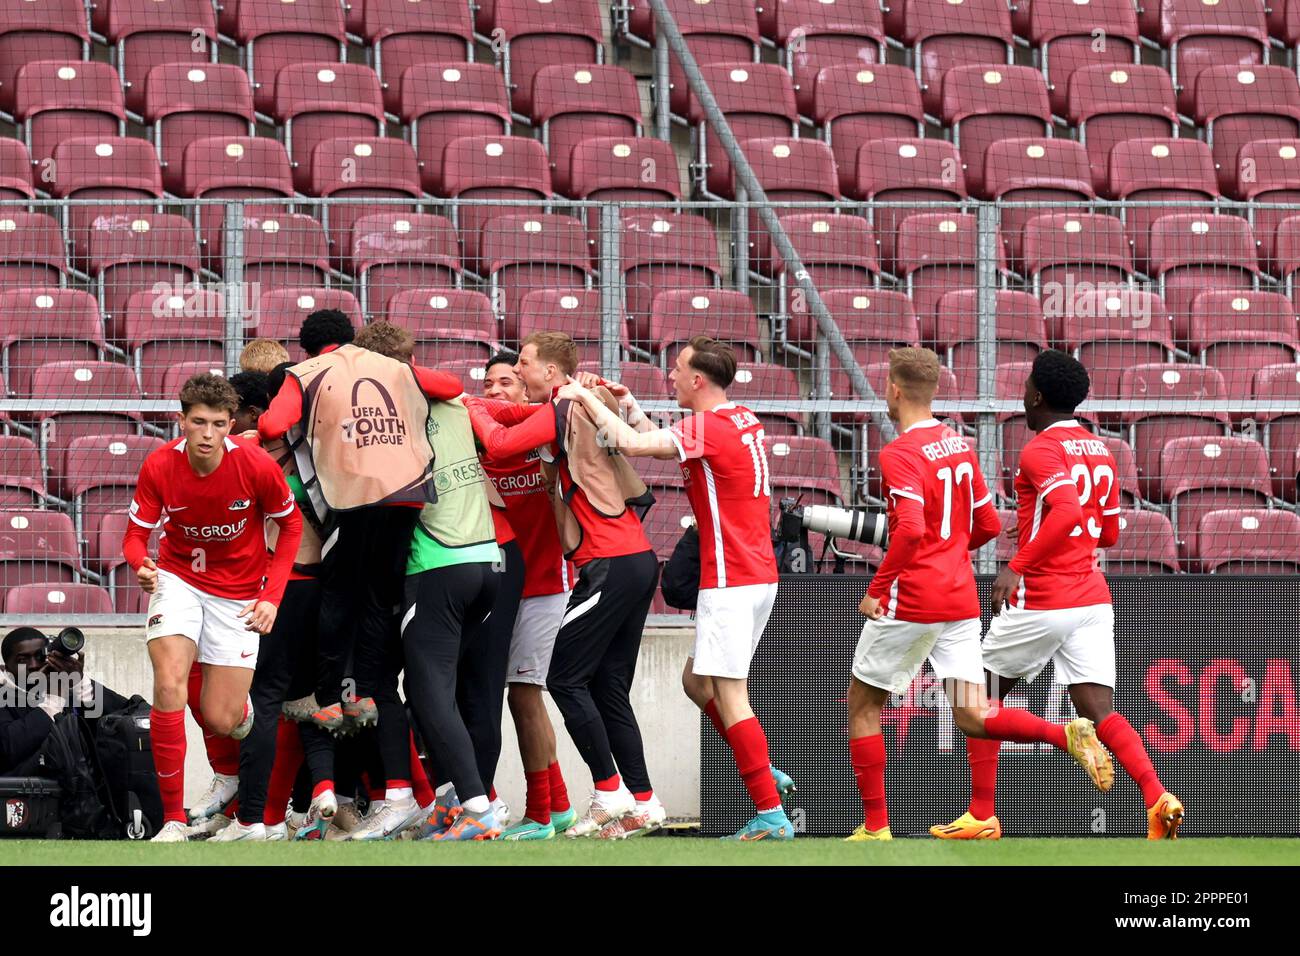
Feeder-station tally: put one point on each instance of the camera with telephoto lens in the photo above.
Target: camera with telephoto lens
(790, 539)
(69, 641)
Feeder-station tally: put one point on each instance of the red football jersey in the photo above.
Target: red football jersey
(724, 463)
(1064, 455)
(213, 525)
(519, 482)
(931, 464)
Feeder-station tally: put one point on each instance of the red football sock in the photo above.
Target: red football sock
(537, 799)
(424, 794)
(559, 792)
(492, 794)
(397, 784)
(868, 757)
(223, 753)
(749, 744)
(643, 795)
(1122, 740)
(609, 784)
(715, 717)
(983, 756)
(321, 787)
(1014, 723)
(167, 738)
(284, 772)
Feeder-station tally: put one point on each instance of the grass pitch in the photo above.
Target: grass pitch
(667, 851)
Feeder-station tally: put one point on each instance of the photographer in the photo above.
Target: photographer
(40, 682)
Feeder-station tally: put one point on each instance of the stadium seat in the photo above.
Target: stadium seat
(837, 252)
(813, 35)
(1110, 104)
(276, 35)
(405, 35)
(279, 315)
(790, 171)
(177, 375)
(164, 332)
(872, 321)
(855, 104)
(83, 380)
(1191, 253)
(1200, 35)
(315, 102)
(283, 251)
(1066, 37)
(1281, 429)
(361, 168)
(1067, 255)
(139, 251)
(726, 315)
(47, 325)
(756, 382)
(1154, 170)
(1239, 332)
(906, 171)
(1204, 474)
(948, 35)
(1146, 545)
(1250, 541)
(983, 104)
(623, 168)
(22, 481)
(104, 557)
(145, 33)
(15, 170)
(31, 250)
(1268, 172)
(396, 251)
(39, 30)
(493, 167)
(449, 325)
(1149, 432)
(234, 167)
(184, 102)
(37, 547)
(532, 34)
(440, 102)
(97, 473)
(758, 101)
(59, 99)
(1021, 333)
(58, 599)
(660, 251)
(522, 253)
(1020, 171)
(716, 31)
(109, 169)
(1111, 330)
(804, 466)
(938, 252)
(1237, 105)
(575, 312)
(572, 102)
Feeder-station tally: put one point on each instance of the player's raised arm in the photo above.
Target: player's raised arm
(656, 443)
(505, 429)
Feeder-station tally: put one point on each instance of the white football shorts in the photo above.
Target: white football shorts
(213, 623)
(1079, 641)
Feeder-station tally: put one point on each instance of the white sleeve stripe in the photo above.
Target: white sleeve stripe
(280, 514)
(677, 443)
(143, 524)
(1054, 485)
(1111, 511)
(983, 501)
(906, 494)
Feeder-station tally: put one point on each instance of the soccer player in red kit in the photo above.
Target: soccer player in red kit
(213, 590)
(724, 463)
(1051, 603)
(922, 602)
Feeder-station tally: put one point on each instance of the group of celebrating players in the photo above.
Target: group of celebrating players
(334, 525)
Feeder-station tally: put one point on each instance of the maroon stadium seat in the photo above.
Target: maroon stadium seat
(789, 170)
(716, 31)
(1112, 330)
(58, 99)
(233, 167)
(47, 325)
(813, 35)
(31, 250)
(15, 170)
(163, 332)
(1024, 170)
(1191, 253)
(441, 102)
(1148, 432)
(1146, 545)
(872, 321)
(141, 251)
(802, 465)
(97, 473)
(770, 382)
(660, 251)
(1110, 104)
(22, 480)
(537, 33)
(279, 315)
(837, 252)
(906, 171)
(1250, 541)
(945, 35)
(726, 315)
(1239, 332)
(315, 102)
(58, 599)
(1237, 105)
(1152, 170)
(39, 30)
(361, 168)
(83, 380)
(1021, 334)
(283, 251)
(758, 101)
(623, 168)
(148, 32)
(176, 376)
(937, 252)
(984, 104)
(493, 167)
(104, 168)
(575, 312)
(449, 325)
(1066, 36)
(104, 557)
(1204, 474)
(396, 251)
(572, 102)
(277, 35)
(1268, 171)
(858, 103)
(1201, 35)
(1070, 255)
(404, 35)
(185, 102)
(522, 253)
(1281, 429)
(37, 547)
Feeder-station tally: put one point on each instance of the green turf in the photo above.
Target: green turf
(670, 851)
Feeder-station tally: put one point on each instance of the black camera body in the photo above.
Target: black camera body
(790, 537)
(69, 641)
